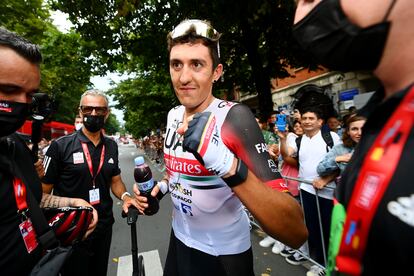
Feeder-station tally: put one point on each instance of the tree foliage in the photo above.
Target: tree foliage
(130, 36)
(146, 101)
(66, 67)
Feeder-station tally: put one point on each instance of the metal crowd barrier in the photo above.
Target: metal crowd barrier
(254, 223)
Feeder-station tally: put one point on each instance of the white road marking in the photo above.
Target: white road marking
(152, 264)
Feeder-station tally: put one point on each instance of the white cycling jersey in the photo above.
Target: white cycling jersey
(207, 215)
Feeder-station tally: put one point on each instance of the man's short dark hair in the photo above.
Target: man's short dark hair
(192, 37)
(23, 47)
(314, 110)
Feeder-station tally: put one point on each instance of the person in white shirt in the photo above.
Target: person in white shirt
(312, 149)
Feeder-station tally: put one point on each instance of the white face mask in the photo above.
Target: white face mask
(78, 126)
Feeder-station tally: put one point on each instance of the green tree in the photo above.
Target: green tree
(112, 125)
(256, 45)
(66, 67)
(145, 101)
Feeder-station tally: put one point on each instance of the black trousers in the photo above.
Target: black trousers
(312, 223)
(90, 257)
(185, 261)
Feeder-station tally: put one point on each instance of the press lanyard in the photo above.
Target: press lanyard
(375, 175)
(20, 195)
(89, 160)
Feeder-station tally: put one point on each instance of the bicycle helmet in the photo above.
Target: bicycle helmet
(69, 223)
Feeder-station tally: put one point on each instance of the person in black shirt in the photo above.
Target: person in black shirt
(85, 164)
(375, 35)
(19, 79)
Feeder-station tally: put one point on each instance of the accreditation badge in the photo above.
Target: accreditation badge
(94, 196)
(28, 235)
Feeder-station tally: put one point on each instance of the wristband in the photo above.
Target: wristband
(163, 186)
(124, 194)
(239, 177)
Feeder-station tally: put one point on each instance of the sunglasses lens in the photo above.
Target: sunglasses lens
(100, 110)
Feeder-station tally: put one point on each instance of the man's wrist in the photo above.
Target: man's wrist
(238, 176)
(125, 194)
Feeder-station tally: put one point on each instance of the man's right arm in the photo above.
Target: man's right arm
(277, 212)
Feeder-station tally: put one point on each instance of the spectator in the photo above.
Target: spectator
(337, 159)
(375, 35)
(85, 164)
(290, 163)
(311, 148)
(334, 125)
(270, 138)
(210, 231)
(19, 79)
(78, 122)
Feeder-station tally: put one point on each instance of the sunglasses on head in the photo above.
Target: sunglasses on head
(99, 110)
(200, 27)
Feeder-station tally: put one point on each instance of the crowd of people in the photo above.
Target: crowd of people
(354, 180)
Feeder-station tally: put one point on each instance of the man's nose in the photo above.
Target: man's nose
(186, 75)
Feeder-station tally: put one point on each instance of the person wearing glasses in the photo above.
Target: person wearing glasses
(210, 230)
(85, 164)
(19, 79)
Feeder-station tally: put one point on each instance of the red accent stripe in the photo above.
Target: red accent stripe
(207, 135)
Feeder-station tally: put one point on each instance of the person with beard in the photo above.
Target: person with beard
(19, 79)
(85, 164)
(376, 188)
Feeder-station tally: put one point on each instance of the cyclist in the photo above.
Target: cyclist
(210, 231)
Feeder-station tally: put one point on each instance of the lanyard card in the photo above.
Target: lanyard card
(94, 196)
(29, 235)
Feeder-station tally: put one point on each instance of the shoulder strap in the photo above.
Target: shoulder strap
(327, 137)
(45, 235)
(298, 140)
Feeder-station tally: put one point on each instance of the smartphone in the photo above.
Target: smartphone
(281, 122)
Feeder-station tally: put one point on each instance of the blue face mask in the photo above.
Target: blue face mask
(328, 35)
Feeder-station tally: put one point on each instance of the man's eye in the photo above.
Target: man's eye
(197, 64)
(176, 65)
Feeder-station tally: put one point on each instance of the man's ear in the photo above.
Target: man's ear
(217, 72)
(107, 114)
(320, 122)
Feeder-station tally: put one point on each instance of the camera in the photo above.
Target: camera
(42, 106)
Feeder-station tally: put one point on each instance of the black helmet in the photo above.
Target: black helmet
(69, 223)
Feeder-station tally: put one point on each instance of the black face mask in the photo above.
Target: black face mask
(12, 116)
(93, 123)
(328, 35)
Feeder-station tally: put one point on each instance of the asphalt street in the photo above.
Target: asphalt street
(153, 233)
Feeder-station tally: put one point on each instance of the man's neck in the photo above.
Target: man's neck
(95, 137)
(312, 133)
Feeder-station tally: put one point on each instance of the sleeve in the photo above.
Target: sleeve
(336, 139)
(242, 135)
(291, 142)
(117, 168)
(51, 164)
(273, 139)
(328, 164)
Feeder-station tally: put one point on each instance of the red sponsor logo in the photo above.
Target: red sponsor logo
(185, 166)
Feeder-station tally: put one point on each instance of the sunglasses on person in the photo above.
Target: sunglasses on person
(200, 27)
(99, 110)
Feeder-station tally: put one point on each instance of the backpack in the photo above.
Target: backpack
(327, 137)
